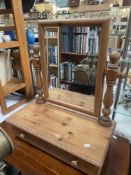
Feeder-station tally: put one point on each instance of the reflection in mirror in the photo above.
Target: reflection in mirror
(72, 55)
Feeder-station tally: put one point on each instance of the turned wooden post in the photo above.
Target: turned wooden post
(37, 66)
(112, 73)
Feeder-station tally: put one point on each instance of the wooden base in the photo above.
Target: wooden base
(32, 161)
(80, 142)
(105, 121)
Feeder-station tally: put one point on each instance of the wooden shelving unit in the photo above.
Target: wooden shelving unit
(53, 65)
(16, 84)
(5, 11)
(52, 52)
(9, 44)
(13, 85)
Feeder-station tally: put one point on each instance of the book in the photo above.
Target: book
(53, 81)
(81, 40)
(66, 71)
(53, 54)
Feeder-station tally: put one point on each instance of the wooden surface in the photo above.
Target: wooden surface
(32, 161)
(53, 41)
(72, 98)
(101, 65)
(74, 22)
(64, 135)
(112, 73)
(90, 8)
(9, 44)
(14, 85)
(6, 28)
(43, 61)
(23, 49)
(5, 11)
(37, 66)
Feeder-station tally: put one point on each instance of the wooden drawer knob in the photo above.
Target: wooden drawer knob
(22, 135)
(74, 162)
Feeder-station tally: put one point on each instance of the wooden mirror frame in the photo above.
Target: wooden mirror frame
(101, 65)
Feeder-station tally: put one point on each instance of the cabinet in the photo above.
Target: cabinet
(15, 84)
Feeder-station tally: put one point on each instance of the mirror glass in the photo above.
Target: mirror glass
(72, 57)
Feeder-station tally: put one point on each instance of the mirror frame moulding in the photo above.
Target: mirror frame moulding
(101, 66)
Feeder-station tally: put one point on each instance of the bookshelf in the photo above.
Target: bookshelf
(78, 42)
(15, 84)
(52, 53)
(66, 47)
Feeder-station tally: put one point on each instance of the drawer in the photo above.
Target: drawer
(67, 157)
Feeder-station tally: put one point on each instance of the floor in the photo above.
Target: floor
(12, 99)
(122, 117)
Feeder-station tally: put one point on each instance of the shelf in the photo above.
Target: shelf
(51, 38)
(53, 65)
(13, 85)
(90, 8)
(71, 82)
(120, 23)
(68, 82)
(72, 53)
(75, 83)
(92, 55)
(9, 44)
(5, 11)
(79, 54)
(31, 19)
(3, 28)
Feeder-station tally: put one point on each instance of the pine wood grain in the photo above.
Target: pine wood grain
(63, 135)
(23, 49)
(9, 44)
(73, 98)
(32, 161)
(104, 24)
(5, 11)
(13, 85)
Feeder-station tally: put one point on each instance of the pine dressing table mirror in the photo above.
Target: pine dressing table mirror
(66, 120)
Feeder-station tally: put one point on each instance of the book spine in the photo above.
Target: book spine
(62, 71)
(56, 54)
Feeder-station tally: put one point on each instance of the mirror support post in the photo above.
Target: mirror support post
(37, 66)
(112, 73)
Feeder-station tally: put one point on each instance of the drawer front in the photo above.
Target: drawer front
(67, 157)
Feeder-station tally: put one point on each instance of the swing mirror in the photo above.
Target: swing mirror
(73, 58)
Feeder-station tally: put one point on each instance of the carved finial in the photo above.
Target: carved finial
(114, 57)
(36, 63)
(112, 74)
(36, 50)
